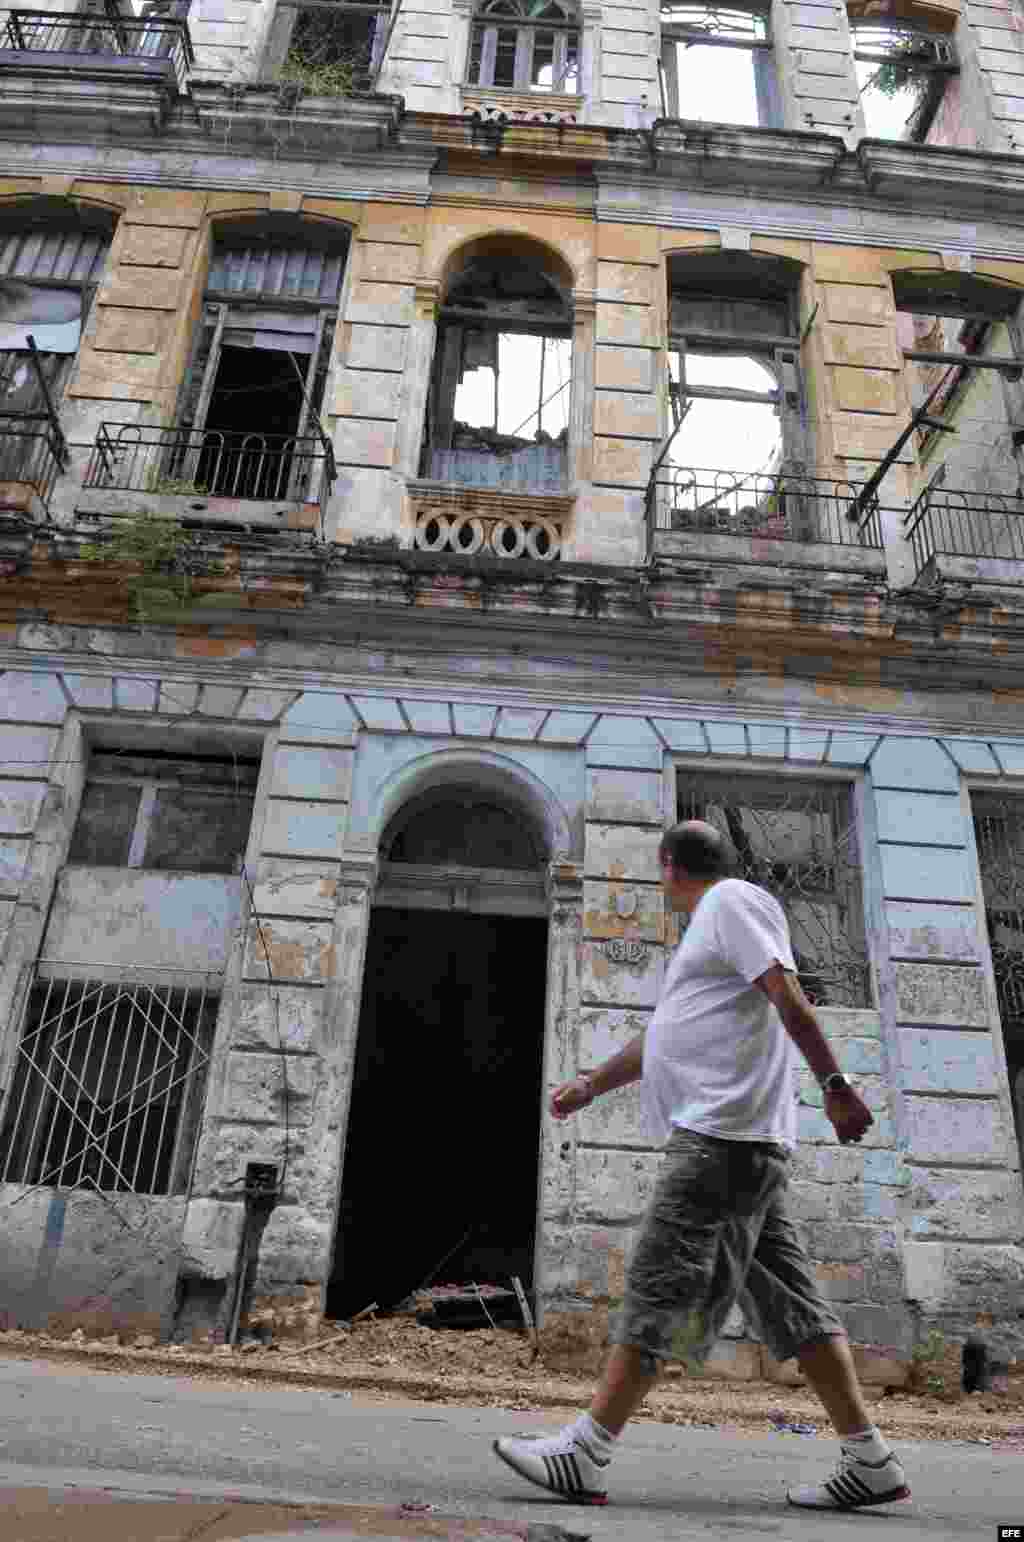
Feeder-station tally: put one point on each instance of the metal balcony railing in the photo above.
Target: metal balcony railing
(779, 506)
(33, 452)
(150, 46)
(207, 463)
(953, 522)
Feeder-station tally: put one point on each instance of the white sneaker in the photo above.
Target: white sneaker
(855, 1483)
(563, 1464)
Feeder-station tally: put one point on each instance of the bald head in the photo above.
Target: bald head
(696, 849)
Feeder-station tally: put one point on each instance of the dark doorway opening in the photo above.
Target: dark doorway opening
(444, 1129)
(257, 398)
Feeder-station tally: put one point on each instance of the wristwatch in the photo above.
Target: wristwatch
(835, 1082)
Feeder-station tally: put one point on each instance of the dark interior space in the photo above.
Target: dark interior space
(257, 392)
(444, 1128)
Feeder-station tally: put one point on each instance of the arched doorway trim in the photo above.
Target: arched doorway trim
(498, 775)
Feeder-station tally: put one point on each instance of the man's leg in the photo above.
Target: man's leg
(797, 1320)
(628, 1377)
(828, 1365)
(682, 1280)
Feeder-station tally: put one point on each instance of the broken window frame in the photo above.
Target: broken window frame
(287, 18)
(927, 54)
(225, 310)
(778, 353)
(454, 322)
(153, 774)
(492, 17)
(947, 296)
(732, 26)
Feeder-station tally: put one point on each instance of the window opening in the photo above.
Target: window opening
(734, 387)
(107, 1085)
(250, 425)
(332, 48)
(798, 840)
(999, 834)
(49, 272)
(954, 331)
(165, 812)
(903, 70)
(498, 413)
(525, 45)
(717, 64)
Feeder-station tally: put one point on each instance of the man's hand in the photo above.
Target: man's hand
(848, 1114)
(570, 1097)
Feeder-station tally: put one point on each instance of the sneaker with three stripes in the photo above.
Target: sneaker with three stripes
(564, 1464)
(855, 1484)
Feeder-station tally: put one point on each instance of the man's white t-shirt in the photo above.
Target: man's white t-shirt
(716, 1056)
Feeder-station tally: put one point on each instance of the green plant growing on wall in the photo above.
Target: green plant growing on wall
(165, 558)
(329, 54)
(329, 79)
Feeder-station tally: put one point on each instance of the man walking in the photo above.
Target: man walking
(717, 1070)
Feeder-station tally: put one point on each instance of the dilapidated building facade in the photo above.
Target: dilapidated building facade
(443, 444)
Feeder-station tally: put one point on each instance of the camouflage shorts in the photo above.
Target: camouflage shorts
(716, 1232)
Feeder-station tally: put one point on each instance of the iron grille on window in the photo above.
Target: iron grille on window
(529, 45)
(732, 26)
(107, 1085)
(797, 839)
(999, 832)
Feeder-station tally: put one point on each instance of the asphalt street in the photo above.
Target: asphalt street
(156, 1435)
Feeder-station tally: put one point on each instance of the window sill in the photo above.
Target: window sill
(497, 104)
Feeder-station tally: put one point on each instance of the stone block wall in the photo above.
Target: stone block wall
(920, 1228)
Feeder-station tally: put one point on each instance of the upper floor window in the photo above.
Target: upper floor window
(717, 63)
(331, 49)
(498, 409)
(734, 362)
(903, 71)
(50, 267)
(251, 402)
(965, 353)
(525, 45)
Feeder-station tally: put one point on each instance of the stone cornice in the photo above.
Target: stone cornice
(837, 628)
(370, 147)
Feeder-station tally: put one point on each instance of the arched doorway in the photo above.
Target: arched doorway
(440, 1171)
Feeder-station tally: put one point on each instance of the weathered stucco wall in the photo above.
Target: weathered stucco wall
(921, 1226)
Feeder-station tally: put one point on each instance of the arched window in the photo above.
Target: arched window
(498, 409)
(525, 45)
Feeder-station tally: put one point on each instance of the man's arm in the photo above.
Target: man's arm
(844, 1107)
(621, 1069)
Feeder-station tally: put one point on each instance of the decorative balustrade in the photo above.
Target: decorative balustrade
(772, 506)
(32, 453)
(510, 535)
(954, 523)
(150, 46)
(206, 463)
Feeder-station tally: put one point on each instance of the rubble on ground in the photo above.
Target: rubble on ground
(399, 1357)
